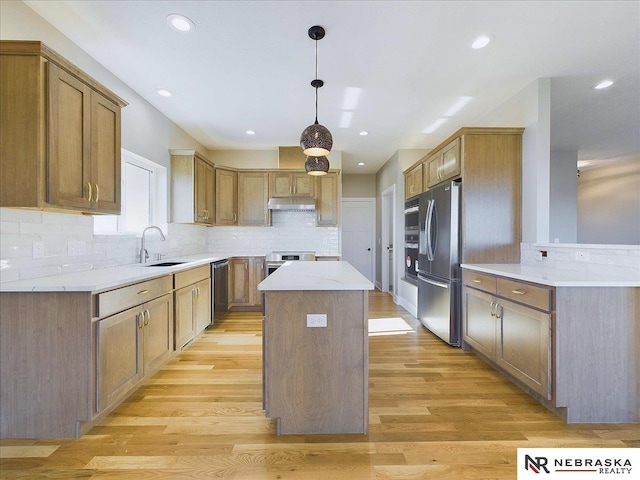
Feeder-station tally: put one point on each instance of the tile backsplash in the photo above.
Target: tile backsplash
(598, 259)
(37, 244)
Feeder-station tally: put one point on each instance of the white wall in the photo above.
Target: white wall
(609, 204)
(563, 197)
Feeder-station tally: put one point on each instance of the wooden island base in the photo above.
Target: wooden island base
(316, 378)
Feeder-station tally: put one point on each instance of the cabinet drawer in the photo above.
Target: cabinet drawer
(191, 276)
(533, 295)
(123, 298)
(481, 281)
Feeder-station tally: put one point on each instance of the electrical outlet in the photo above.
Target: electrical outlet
(538, 256)
(582, 256)
(38, 250)
(315, 320)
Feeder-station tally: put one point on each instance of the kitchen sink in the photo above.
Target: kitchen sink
(165, 264)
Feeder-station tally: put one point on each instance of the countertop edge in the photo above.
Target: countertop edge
(545, 276)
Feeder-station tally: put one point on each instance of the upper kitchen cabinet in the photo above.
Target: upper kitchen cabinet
(60, 144)
(413, 182)
(226, 196)
(253, 195)
(192, 188)
(444, 165)
(291, 184)
(327, 200)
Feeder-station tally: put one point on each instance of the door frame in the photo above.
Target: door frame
(388, 217)
(372, 201)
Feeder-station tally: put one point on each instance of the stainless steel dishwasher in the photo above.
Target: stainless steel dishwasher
(220, 289)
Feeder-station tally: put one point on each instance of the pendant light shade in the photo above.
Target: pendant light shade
(316, 140)
(317, 165)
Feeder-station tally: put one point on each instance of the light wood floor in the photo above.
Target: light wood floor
(435, 412)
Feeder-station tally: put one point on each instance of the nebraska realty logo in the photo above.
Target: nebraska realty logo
(578, 463)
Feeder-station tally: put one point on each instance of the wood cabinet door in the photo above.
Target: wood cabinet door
(239, 282)
(183, 316)
(226, 197)
(327, 200)
(257, 277)
(158, 332)
(303, 184)
(479, 325)
(253, 196)
(204, 192)
(120, 360)
(202, 305)
(69, 148)
(281, 185)
(525, 345)
(105, 155)
(434, 168)
(451, 160)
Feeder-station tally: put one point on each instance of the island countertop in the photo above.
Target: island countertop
(555, 277)
(315, 276)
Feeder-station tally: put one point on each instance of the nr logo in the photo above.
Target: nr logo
(536, 464)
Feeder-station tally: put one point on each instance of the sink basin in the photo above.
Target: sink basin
(165, 264)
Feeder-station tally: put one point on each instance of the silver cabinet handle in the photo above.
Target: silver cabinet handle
(89, 191)
(139, 319)
(146, 322)
(519, 292)
(97, 192)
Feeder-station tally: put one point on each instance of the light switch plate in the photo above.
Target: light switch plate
(38, 250)
(315, 320)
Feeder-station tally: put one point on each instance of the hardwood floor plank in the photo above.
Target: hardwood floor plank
(435, 412)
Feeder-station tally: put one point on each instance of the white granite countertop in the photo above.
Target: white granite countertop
(315, 276)
(102, 279)
(555, 277)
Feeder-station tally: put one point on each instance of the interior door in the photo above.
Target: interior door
(358, 222)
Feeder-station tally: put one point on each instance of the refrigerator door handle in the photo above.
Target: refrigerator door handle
(433, 282)
(428, 227)
(423, 239)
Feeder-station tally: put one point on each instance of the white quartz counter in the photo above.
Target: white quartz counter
(102, 279)
(315, 276)
(555, 277)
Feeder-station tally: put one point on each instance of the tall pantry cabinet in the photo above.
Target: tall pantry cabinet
(60, 145)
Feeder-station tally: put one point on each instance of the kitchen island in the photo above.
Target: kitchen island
(570, 339)
(315, 348)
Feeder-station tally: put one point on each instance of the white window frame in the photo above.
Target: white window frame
(157, 189)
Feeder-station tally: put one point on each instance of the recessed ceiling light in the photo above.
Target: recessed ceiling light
(163, 92)
(603, 84)
(250, 132)
(180, 23)
(364, 133)
(481, 42)
(360, 164)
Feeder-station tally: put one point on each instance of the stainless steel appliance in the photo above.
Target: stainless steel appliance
(274, 260)
(411, 230)
(439, 286)
(220, 289)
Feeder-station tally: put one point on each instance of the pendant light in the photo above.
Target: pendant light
(316, 165)
(316, 140)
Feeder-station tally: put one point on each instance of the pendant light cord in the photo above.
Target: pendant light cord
(316, 79)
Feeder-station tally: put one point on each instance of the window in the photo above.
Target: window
(144, 198)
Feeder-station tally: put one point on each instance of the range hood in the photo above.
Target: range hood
(292, 204)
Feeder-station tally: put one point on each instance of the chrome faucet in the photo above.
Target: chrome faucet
(144, 255)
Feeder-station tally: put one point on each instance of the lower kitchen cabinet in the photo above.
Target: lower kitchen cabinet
(245, 273)
(192, 304)
(515, 337)
(131, 345)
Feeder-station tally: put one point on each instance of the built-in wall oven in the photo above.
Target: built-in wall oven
(411, 238)
(274, 260)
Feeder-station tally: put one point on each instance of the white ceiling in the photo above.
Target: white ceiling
(248, 65)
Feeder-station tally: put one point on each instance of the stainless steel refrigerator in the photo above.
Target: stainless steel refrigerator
(439, 285)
